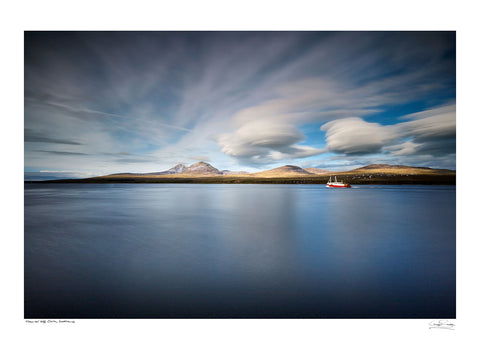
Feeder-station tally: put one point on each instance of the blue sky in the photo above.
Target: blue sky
(105, 102)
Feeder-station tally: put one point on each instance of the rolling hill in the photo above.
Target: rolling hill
(283, 171)
(398, 170)
(203, 172)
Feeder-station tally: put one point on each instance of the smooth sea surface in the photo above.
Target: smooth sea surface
(239, 251)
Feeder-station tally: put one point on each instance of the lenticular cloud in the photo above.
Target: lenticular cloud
(432, 129)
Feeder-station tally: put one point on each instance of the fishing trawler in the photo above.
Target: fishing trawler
(337, 184)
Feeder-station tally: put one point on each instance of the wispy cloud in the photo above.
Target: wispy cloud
(63, 152)
(233, 97)
(37, 136)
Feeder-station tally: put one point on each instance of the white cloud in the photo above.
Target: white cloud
(296, 152)
(356, 136)
(435, 123)
(403, 149)
(258, 138)
(431, 132)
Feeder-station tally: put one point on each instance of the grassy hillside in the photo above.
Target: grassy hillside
(398, 170)
(283, 171)
(352, 179)
(289, 174)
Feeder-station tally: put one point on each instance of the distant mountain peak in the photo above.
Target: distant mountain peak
(202, 167)
(286, 170)
(179, 168)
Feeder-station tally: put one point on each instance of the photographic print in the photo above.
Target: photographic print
(240, 174)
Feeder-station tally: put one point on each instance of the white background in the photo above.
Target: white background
(237, 339)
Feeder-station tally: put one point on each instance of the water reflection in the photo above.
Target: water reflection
(238, 251)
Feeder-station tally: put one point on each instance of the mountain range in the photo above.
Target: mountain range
(205, 173)
(204, 169)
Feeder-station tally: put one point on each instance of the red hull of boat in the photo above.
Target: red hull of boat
(339, 186)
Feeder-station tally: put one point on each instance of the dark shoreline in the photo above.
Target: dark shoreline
(354, 180)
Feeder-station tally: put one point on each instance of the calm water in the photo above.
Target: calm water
(229, 251)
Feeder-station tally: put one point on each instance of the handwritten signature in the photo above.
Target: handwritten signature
(441, 324)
